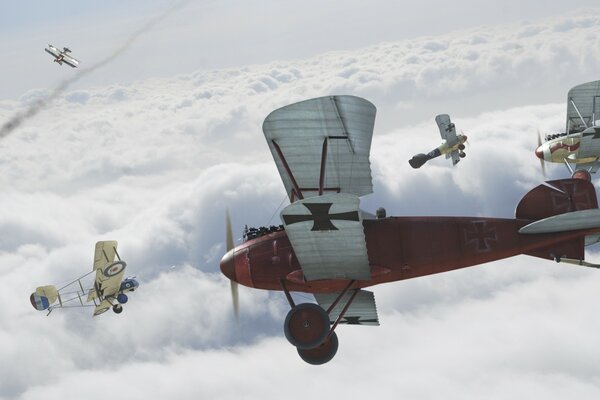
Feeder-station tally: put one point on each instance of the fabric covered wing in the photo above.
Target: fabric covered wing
(447, 129)
(70, 61)
(52, 51)
(322, 145)
(583, 106)
(362, 310)
(105, 253)
(455, 157)
(327, 236)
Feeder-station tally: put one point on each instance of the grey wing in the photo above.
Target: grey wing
(362, 310)
(327, 235)
(322, 145)
(52, 52)
(447, 129)
(70, 61)
(455, 157)
(583, 107)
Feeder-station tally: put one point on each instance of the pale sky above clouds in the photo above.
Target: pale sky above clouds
(151, 150)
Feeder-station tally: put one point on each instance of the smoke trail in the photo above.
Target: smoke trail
(42, 103)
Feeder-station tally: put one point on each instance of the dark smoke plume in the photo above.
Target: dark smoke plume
(40, 104)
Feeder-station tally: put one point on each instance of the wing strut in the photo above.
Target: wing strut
(339, 318)
(568, 165)
(578, 113)
(117, 254)
(323, 162)
(296, 190)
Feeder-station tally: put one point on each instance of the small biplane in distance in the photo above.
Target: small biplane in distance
(580, 143)
(329, 247)
(107, 290)
(453, 145)
(62, 56)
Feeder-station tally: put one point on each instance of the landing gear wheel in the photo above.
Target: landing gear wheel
(322, 353)
(118, 309)
(461, 146)
(122, 298)
(462, 154)
(306, 326)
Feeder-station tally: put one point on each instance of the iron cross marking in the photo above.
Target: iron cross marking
(573, 200)
(321, 217)
(480, 235)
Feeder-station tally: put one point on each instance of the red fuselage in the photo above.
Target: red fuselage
(401, 248)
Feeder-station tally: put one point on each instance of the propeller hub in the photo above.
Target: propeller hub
(228, 265)
(539, 152)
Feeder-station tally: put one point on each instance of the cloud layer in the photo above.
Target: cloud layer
(154, 164)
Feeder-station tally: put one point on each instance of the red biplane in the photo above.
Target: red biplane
(329, 247)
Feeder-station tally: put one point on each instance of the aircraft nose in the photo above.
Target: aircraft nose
(539, 152)
(228, 265)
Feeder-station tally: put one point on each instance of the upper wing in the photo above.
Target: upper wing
(327, 236)
(51, 50)
(109, 273)
(322, 145)
(583, 106)
(105, 253)
(362, 310)
(447, 129)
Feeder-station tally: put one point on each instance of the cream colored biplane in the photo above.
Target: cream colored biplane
(107, 289)
(453, 146)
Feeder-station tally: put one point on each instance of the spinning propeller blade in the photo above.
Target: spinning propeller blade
(542, 163)
(234, 285)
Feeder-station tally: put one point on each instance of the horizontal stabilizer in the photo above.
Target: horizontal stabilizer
(43, 297)
(362, 310)
(572, 221)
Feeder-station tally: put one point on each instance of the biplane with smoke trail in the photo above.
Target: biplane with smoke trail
(62, 56)
(108, 289)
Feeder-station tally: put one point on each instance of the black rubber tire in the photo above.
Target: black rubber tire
(306, 326)
(321, 354)
(117, 308)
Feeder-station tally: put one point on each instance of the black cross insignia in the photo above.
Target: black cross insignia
(321, 217)
(480, 235)
(572, 200)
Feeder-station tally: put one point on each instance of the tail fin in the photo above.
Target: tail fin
(557, 197)
(43, 297)
(559, 204)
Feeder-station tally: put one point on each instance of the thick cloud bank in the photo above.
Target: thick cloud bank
(154, 164)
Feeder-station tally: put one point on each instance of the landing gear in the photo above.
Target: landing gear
(122, 298)
(461, 146)
(462, 154)
(118, 309)
(306, 326)
(322, 353)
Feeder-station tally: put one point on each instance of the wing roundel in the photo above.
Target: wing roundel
(322, 145)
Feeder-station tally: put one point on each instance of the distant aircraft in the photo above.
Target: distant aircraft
(62, 56)
(580, 143)
(453, 146)
(108, 288)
